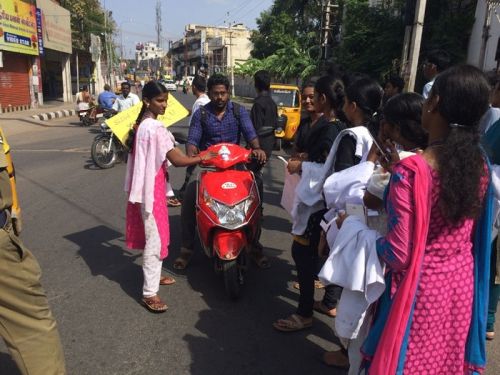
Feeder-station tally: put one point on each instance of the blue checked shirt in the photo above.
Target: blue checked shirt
(217, 131)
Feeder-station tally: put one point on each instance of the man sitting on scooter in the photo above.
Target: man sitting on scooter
(220, 120)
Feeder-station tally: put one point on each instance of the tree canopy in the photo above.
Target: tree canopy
(87, 17)
(366, 39)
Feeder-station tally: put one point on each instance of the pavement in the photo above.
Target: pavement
(74, 219)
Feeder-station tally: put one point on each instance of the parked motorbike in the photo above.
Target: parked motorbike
(228, 212)
(107, 149)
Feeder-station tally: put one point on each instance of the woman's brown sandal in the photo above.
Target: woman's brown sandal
(167, 280)
(154, 304)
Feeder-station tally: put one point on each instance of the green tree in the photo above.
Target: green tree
(87, 17)
(372, 37)
(286, 42)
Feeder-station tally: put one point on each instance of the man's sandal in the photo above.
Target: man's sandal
(292, 324)
(154, 304)
(182, 261)
(167, 280)
(336, 358)
(260, 259)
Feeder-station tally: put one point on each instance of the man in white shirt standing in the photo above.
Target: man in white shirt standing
(435, 63)
(126, 100)
(199, 87)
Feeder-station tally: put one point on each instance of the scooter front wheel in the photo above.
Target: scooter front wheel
(103, 153)
(232, 279)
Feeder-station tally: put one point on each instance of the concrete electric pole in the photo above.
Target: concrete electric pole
(416, 41)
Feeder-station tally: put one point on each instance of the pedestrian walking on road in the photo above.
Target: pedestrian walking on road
(26, 322)
(147, 225)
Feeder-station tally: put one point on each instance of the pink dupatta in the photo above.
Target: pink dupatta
(387, 355)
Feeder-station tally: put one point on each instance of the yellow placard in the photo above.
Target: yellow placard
(121, 123)
(18, 31)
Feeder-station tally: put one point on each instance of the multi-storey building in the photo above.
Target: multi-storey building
(218, 47)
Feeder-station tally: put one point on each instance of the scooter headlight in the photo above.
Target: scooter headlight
(230, 216)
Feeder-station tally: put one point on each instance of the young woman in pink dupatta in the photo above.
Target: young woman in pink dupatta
(147, 227)
(429, 319)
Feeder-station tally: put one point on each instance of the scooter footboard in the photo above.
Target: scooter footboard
(229, 244)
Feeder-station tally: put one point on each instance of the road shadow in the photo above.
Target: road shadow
(237, 337)
(105, 258)
(7, 365)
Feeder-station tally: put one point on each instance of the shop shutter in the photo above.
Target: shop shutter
(14, 81)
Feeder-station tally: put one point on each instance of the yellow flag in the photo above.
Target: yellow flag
(121, 123)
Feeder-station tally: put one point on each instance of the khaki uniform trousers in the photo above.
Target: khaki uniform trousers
(26, 322)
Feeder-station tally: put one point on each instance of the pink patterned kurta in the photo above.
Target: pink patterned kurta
(443, 307)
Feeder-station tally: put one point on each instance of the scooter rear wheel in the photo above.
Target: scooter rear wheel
(232, 282)
(103, 158)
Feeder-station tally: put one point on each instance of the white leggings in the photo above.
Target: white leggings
(151, 262)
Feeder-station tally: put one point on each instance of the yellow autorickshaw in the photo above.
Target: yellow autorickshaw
(287, 98)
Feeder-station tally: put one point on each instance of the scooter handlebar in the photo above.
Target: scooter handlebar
(228, 155)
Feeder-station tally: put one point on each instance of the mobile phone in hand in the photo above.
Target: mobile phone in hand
(384, 154)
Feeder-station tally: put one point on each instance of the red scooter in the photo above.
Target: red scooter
(227, 212)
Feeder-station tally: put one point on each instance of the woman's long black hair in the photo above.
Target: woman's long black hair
(463, 99)
(150, 90)
(367, 94)
(405, 112)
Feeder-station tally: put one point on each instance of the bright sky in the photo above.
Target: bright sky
(137, 18)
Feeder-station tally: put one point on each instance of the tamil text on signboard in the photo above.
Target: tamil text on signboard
(18, 32)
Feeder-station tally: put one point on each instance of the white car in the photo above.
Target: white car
(170, 85)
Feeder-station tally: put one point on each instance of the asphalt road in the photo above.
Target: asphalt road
(74, 216)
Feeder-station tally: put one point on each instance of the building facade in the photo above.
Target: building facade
(57, 49)
(218, 47)
(484, 43)
(20, 46)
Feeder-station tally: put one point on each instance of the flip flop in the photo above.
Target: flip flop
(336, 358)
(291, 324)
(173, 202)
(317, 285)
(260, 259)
(167, 280)
(319, 307)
